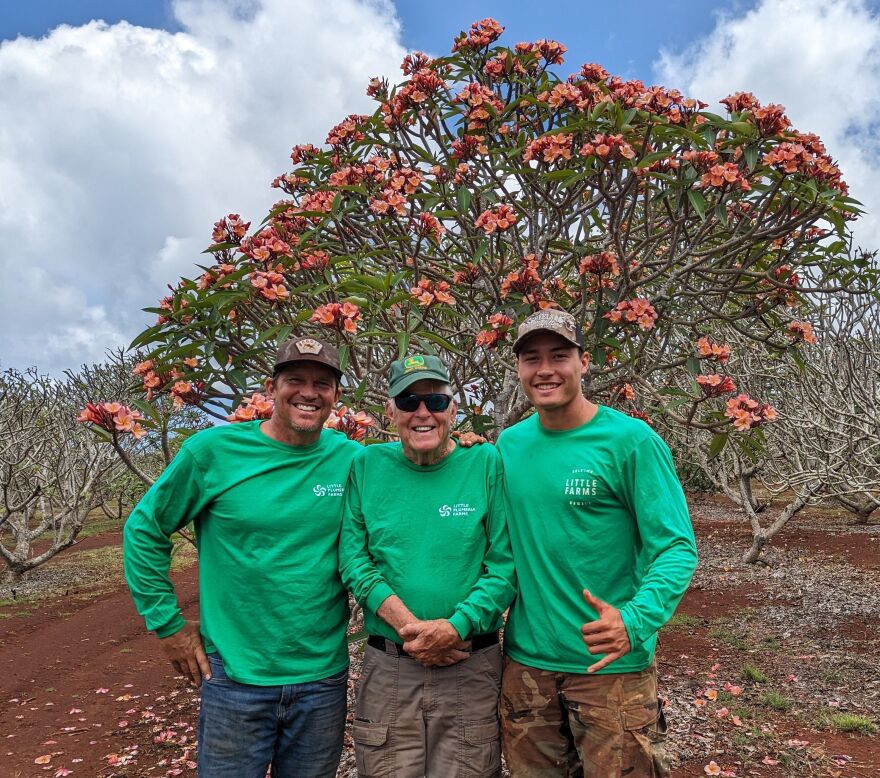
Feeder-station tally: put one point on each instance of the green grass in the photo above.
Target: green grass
(750, 672)
(681, 620)
(832, 677)
(730, 637)
(849, 722)
(776, 701)
(771, 643)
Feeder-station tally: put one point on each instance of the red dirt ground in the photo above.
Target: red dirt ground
(83, 684)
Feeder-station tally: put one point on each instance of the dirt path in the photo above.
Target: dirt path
(72, 672)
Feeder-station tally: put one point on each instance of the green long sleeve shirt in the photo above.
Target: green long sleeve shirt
(267, 520)
(597, 507)
(433, 535)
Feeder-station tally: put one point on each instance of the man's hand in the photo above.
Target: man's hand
(607, 635)
(468, 439)
(186, 653)
(434, 642)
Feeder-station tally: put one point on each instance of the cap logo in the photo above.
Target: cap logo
(309, 346)
(414, 363)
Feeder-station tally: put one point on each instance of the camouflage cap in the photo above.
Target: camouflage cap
(550, 320)
(405, 372)
(307, 350)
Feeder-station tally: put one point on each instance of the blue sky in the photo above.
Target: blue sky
(121, 143)
(624, 36)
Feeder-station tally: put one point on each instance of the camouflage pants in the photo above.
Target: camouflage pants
(568, 725)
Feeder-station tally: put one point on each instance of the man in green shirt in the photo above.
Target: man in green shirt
(425, 551)
(604, 551)
(266, 499)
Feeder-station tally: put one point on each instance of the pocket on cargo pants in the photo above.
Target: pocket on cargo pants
(371, 748)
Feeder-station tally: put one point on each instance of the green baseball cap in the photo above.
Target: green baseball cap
(419, 367)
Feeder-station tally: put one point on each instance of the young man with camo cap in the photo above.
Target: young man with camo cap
(425, 551)
(266, 499)
(604, 551)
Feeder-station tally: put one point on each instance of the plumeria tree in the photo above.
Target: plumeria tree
(824, 443)
(51, 470)
(485, 186)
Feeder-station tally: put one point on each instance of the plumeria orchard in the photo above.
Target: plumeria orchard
(485, 186)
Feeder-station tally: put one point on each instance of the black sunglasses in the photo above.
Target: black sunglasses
(433, 402)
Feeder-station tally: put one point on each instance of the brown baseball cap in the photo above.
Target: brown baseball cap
(553, 321)
(307, 349)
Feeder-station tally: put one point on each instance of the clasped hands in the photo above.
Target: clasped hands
(434, 642)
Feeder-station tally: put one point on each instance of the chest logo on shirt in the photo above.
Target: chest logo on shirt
(327, 490)
(459, 509)
(580, 485)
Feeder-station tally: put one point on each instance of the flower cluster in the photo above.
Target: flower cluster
(550, 51)
(354, 425)
(428, 292)
(257, 406)
(746, 413)
(215, 276)
(314, 260)
(230, 229)
(320, 201)
(525, 281)
(467, 275)
(802, 331)
(604, 264)
(499, 218)
(709, 349)
(347, 131)
(624, 392)
(423, 84)
(303, 152)
(269, 285)
(608, 147)
(719, 176)
(806, 155)
(342, 316)
(152, 379)
(549, 148)
(388, 202)
(499, 326)
(113, 417)
(561, 95)
(468, 147)
(714, 384)
(428, 226)
(264, 245)
(482, 33)
(186, 393)
(478, 98)
(636, 311)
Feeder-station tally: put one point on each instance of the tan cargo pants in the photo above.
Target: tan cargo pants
(439, 722)
(568, 725)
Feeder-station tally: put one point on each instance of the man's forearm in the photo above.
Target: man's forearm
(394, 612)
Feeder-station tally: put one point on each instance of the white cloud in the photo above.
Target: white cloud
(121, 145)
(821, 61)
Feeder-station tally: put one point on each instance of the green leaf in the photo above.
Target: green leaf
(751, 155)
(698, 202)
(464, 199)
(440, 341)
(717, 444)
(693, 365)
(343, 356)
(402, 344)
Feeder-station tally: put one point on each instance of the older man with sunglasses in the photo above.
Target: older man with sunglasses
(425, 551)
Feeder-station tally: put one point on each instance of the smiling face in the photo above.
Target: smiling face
(425, 436)
(550, 371)
(304, 394)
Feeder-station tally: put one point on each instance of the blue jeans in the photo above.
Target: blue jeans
(297, 728)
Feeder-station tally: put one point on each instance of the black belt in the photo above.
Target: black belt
(478, 642)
